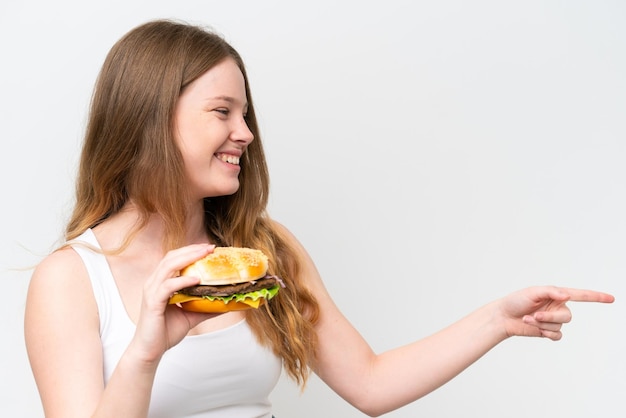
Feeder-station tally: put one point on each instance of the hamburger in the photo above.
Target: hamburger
(231, 279)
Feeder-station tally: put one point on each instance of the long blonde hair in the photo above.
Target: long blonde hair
(129, 152)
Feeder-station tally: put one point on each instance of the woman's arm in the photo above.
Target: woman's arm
(63, 339)
(376, 384)
(62, 336)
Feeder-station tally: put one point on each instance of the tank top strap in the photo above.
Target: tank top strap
(111, 309)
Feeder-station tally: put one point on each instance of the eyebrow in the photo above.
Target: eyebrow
(225, 98)
(228, 99)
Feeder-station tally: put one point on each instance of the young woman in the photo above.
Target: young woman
(172, 165)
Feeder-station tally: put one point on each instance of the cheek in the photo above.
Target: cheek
(191, 144)
(195, 162)
(189, 133)
(190, 155)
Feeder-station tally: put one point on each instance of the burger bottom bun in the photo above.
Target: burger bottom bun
(215, 306)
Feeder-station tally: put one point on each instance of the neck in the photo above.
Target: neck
(150, 236)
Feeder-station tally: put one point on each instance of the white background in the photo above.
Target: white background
(452, 151)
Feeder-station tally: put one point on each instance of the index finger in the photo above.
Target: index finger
(176, 259)
(586, 295)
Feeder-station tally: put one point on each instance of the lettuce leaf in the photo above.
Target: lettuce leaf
(239, 297)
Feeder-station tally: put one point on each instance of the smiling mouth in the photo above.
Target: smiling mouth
(230, 159)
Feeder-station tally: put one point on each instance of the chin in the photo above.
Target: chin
(224, 191)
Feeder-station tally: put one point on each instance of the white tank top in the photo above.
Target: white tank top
(221, 374)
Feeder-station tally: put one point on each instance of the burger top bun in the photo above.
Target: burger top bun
(228, 265)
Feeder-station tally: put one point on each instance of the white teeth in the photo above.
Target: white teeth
(231, 159)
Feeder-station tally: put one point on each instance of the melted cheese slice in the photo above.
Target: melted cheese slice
(180, 298)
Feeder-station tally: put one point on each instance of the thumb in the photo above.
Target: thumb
(541, 293)
(556, 293)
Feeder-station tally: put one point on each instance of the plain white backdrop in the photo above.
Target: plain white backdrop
(432, 156)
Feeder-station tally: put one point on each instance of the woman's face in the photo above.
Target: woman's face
(211, 131)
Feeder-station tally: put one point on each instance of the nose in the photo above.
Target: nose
(241, 132)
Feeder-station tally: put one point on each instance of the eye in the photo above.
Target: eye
(223, 111)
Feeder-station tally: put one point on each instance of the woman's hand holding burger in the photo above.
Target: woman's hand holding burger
(194, 283)
(161, 326)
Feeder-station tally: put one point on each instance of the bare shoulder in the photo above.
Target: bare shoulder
(289, 237)
(309, 273)
(60, 272)
(282, 229)
(60, 289)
